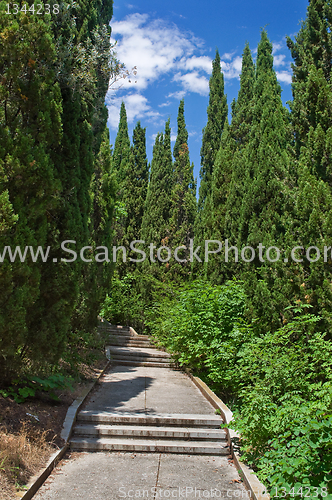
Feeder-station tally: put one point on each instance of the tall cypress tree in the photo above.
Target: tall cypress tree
(133, 195)
(217, 112)
(30, 124)
(227, 179)
(183, 209)
(121, 151)
(261, 170)
(157, 210)
(311, 113)
(140, 175)
(155, 224)
(61, 76)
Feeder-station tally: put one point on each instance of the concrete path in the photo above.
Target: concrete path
(114, 475)
(143, 389)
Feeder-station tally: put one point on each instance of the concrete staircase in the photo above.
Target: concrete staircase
(147, 431)
(187, 434)
(125, 347)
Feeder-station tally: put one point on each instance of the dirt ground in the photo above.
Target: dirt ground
(30, 431)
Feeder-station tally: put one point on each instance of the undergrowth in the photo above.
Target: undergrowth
(278, 384)
(21, 455)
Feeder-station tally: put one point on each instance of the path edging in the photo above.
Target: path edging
(36, 481)
(256, 488)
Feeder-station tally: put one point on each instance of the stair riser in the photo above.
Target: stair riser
(144, 338)
(141, 363)
(131, 344)
(150, 421)
(208, 450)
(158, 434)
(132, 357)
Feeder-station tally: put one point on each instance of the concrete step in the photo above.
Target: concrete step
(145, 445)
(116, 330)
(129, 337)
(148, 431)
(131, 343)
(167, 420)
(139, 353)
(139, 359)
(153, 364)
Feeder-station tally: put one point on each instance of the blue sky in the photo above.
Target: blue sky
(172, 44)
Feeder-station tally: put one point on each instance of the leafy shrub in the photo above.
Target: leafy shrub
(20, 390)
(131, 297)
(203, 327)
(279, 383)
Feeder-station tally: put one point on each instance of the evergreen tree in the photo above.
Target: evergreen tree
(266, 215)
(60, 72)
(30, 124)
(121, 151)
(133, 195)
(183, 197)
(227, 188)
(311, 113)
(182, 134)
(217, 112)
(157, 210)
(140, 174)
(242, 115)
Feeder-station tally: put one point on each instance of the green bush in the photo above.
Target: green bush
(203, 327)
(278, 384)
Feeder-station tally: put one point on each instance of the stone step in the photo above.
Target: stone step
(139, 359)
(153, 364)
(139, 353)
(145, 445)
(131, 343)
(116, 330)
(129, 337)
(157, 419)
(149, 431)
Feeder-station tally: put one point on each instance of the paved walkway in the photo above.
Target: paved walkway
(116, 475)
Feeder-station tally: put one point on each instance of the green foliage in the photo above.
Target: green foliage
(124, 304)
(55, 176)
(278, 383)
(157, 209)
(203, 327)
(20, 390)
(217, 115)
(130, 298)
(183, 199)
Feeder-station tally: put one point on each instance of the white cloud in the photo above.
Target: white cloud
(164, 104)
(177, 95)
(193, 82)
(228, 55)
(154, 46)
(233, 68)
(173, 137)
(201, 63)
(279, 60)
(284, 76)
(276, 46)
(137, 106)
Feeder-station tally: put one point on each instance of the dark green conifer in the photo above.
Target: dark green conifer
(157, 211)
(121, 151)
(133, 195)
(311, 119)
(217, 112)
(183, 197)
